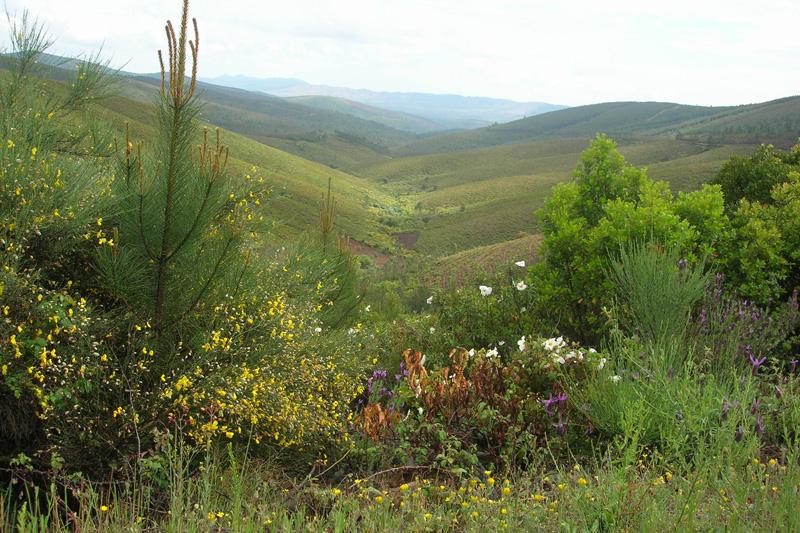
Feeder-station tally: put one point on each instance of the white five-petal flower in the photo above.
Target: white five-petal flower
(485, 291)
(521, 286)
(520, 264)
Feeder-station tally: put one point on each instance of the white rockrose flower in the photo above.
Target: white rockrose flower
(520, 264)
(485, 291)
(521, 286)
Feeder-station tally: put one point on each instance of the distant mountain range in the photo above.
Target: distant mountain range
(447, 111)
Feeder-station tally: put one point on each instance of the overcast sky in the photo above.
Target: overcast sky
(711, 52)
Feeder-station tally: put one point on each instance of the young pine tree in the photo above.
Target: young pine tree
(182, 224)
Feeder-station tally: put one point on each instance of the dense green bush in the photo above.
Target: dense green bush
(609, 204)
(753, 178)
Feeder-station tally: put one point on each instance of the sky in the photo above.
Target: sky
(705, 52)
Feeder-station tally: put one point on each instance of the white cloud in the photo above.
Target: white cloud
(572, 52)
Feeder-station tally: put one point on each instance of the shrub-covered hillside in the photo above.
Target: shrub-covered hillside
(165, 367)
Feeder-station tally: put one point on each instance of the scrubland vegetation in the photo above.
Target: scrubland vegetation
(171, 361)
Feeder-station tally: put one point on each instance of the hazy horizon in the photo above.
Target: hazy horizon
(703, 54)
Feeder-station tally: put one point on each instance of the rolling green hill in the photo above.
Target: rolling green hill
(777, 122)
(328, 136)
(475, 198)
(297, 184)
(473, 201)
(325, 136)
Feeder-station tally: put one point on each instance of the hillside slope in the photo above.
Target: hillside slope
(472, 198)
(327, 136)
(777, 121)
(297, 183)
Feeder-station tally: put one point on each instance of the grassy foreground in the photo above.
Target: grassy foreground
(604, 493)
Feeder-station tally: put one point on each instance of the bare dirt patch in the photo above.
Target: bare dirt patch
(359, 248)
(407, 239)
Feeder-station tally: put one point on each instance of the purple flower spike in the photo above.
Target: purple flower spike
(551, 404)
(760, 425)
(725, 408)
(756, 362)
(794, 366)
(739, 434)
(756, 403)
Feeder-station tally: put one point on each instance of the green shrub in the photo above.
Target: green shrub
(608, 205)
(655, 290)
(753, 178)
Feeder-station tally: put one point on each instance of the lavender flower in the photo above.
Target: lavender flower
(551, 404)
(760, 425)
(756, 362)
(739, 433)
(725, 408)
(756, 403)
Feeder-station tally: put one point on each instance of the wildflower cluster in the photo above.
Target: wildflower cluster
(265, 374)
